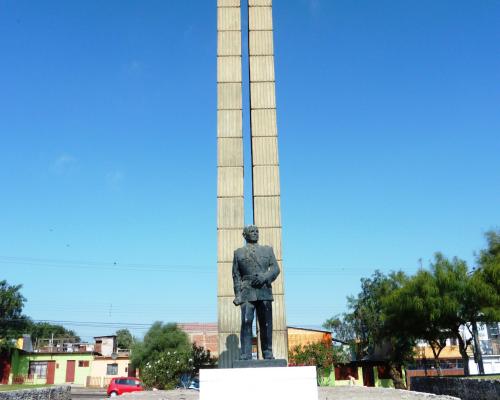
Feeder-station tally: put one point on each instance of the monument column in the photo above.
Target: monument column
(230, 215)
(265, 163)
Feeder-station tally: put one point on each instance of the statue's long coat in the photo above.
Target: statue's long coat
(247, 264)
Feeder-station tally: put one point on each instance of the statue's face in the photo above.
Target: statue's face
(252, 234)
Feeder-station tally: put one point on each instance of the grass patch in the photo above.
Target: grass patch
(8, 388)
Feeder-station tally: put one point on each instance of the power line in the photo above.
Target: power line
(90, 324)
(206, 269)
(114, 266)
(53, 321)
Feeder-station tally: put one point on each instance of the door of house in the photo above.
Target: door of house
(368, 376)
(51, 372)
(131, 371)
(70, 371)
(4, 370)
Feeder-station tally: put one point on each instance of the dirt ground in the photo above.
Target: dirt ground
(331, 393)
(366, 393)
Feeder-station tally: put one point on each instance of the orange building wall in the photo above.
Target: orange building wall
(426, 352)
(301, 337)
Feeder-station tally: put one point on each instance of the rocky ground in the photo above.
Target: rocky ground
(333, 393)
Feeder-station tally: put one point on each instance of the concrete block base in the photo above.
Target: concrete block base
(290, 383)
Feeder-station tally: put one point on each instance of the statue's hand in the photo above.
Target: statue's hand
(258, 280)
(237, 301)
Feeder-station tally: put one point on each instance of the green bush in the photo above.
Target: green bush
(165, 355)
(165, 370)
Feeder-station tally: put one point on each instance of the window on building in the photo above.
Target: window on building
(112, 369)
(453, 342)
(83, 363)
(38, 369)
(493, 331)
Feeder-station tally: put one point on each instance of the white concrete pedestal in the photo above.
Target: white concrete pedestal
(290, 383)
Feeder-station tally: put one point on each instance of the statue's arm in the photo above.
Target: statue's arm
(236, 281)
(274, 270)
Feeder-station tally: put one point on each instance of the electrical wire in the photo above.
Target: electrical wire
(205, 269)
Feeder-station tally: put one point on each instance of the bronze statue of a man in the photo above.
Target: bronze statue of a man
(254, 270)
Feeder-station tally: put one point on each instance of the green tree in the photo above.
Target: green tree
(45, 330)
(165, 355)
(160, 338)
(416, 310)
(124, 339)
(460, 300)
(321, 355)
(374, 332)
(12, 321)
(486, 277)
(436, 304)
(440, 303)
(342, 329)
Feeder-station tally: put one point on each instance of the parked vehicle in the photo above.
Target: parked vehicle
(195, 384)
(121, 385)
(187, 381)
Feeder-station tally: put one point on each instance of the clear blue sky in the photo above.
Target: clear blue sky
(389, 126)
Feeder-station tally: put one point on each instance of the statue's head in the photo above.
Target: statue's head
(251, 234)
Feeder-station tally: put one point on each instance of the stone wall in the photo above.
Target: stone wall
(463, 388)
(45, 393)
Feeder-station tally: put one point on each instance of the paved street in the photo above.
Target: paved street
(87, 394)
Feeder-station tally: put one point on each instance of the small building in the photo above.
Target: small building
(105, 345)
(369, 373)
(372, 371)
(450, 361)
(103, 369)
(108, 362)
(64, 361)
(50, 368)
(489, 340)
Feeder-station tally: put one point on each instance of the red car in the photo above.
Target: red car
(122, 385)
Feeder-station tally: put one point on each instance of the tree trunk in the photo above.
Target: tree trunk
(462, 348)
(478, 356)
(437, 365)
(396, 377)
(436, 354)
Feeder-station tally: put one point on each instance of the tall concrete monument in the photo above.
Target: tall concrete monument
(265, 165)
